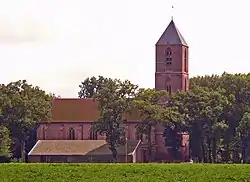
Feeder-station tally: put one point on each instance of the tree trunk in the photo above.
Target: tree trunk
(114, 154)
(236, 157)
(113, 149)
(243, 150)
(225, 153)
(149, 145)
(203, 153)
(209, 149)
(214, 150)
(23, 152)
(200, 151)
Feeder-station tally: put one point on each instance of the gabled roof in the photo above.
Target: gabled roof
(80, 147)
(81, 110)
(171, 36)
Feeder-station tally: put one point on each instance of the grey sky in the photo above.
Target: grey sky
(57, 43)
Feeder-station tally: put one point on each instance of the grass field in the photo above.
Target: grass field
(123, 172)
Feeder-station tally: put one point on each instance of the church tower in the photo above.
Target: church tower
(171, 72)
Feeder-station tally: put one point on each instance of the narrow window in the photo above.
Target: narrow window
(93, 135)
(185, 61)
(185, 84)
(168, 56)
(168, 89)
(71, 134)
(44, 133)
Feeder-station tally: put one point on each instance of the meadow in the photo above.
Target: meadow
(15, 172)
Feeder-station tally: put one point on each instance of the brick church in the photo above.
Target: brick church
(68, 136)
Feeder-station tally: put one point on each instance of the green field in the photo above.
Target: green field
(123, 172)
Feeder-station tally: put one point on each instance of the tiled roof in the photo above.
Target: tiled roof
(78, 147)
(81, 110)
(171, 36)
(104, 149)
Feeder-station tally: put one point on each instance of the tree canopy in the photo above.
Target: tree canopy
(214, 111)
(22, 106)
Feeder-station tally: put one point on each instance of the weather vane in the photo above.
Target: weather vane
(172, 12)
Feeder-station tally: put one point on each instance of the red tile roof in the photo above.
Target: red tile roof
(81, 110)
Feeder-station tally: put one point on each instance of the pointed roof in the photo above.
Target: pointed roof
(171, 36)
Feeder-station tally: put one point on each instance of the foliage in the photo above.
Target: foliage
(114, 99)
(23, 106)
(124, 172)
(228, 117)
(91, 86)
(147, 102)
(5, 142)
(243, 131)
(202, 110)
(215, 112)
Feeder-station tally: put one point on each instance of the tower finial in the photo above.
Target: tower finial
(172, 17)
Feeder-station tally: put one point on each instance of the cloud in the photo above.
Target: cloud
(23, 30)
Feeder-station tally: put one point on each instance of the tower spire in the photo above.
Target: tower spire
(172, 17)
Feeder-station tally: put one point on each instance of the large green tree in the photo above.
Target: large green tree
(150, 104)
(24, 107)
(236, 88)
(243, 136)
(114, 100)
(201, 109)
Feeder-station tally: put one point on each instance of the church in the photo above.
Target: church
(68, 137)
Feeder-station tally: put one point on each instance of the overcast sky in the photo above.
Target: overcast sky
(57, 43)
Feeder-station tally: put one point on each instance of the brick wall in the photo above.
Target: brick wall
(60, 131)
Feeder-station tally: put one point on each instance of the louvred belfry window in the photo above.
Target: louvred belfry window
(168, 55)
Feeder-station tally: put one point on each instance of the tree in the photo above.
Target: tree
(147, 102)
(91, 86)
(243, 131)
(5, 143)
(114, 99)
(25, 107)
(201, 109)
(5, 140)
(237, 90)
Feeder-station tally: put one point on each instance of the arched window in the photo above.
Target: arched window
(185, 61)
(168, 55)
(93, 135)
(168, 87)
(71, 134)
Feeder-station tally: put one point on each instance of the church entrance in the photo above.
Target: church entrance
(144, 156)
